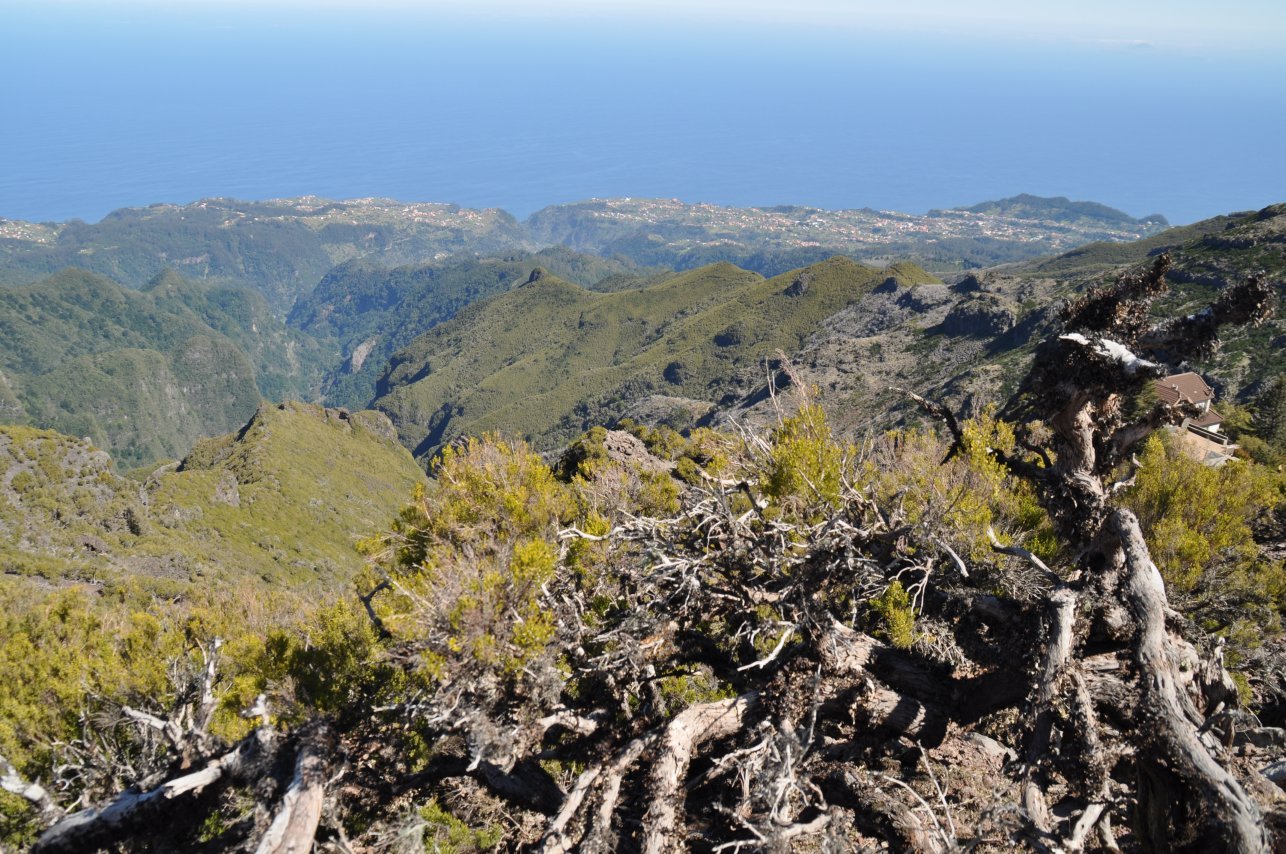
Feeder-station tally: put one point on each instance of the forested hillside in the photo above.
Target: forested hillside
(144, 373)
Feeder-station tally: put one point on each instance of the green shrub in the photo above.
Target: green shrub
(470, 555)
(896, 617)
(805, 462)
(446, 834)
(1197, 520)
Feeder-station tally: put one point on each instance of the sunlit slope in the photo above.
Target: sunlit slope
(282, 501)
(368, 312)
(550, 358)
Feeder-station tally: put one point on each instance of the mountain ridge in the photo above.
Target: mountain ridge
(550, 358)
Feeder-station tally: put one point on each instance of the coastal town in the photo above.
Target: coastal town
(861, 232)
(945, 236)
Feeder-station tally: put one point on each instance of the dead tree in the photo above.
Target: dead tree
(1078, 387)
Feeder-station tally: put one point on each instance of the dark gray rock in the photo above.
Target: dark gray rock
(922, 298)
(979, 316)
(799, 287)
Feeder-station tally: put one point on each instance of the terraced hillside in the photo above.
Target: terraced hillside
(550, 358)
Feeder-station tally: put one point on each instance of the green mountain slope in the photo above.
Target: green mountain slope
(144, 373)
(283, 501)
(287, 363)
(367, 312)
(279, 248)
(550, 358)
(1061, 209)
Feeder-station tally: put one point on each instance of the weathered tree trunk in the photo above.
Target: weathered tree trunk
(1186, 798)
(295, 825)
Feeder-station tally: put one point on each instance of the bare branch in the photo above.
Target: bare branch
(132, 808)
(33, 793)
(941, 413)
(1018, 551)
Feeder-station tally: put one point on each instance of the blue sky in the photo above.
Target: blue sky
(1233, 24)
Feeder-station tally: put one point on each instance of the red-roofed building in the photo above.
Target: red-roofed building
(1202, 438)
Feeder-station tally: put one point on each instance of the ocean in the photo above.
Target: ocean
(111, 105)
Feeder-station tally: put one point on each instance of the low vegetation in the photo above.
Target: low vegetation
(929, 641)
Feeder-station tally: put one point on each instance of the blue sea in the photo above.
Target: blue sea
(110, 104)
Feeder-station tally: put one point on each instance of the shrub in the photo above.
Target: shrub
(468, 557)
(805, 462)
(1197, 521)
(896, 617)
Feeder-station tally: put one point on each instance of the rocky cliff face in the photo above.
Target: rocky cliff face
(963, 341)
(980, 316)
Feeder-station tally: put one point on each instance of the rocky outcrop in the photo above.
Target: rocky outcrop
(360, 352)
(979, 316)
(799, 286)
(922, 298)
(11, 409)
(629, 450)
(678, 413)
